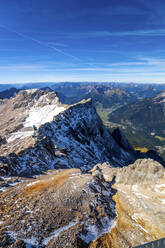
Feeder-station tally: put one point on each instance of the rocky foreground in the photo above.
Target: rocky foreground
(140, 204)
(63, 208)
(108, 207)
(66, 181)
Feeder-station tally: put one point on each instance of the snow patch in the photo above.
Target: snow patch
(32, 183)
(31, 91)
(29, 242)
(19, 135)
(40, 115)
(94, 232)
(57, 232)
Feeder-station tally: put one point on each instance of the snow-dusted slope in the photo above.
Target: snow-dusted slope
(75, 138)
(43, 111)
(22, 114)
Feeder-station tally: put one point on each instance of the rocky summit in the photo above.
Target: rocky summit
(66, 181)
(39, 133)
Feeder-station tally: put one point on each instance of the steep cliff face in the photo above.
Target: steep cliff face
(140, 204)
(75, 137)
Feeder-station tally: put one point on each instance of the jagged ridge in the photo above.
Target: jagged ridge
(75, 138)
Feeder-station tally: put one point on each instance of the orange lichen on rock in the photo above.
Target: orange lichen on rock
(49, 182)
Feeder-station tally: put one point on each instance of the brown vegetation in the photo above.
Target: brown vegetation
(50, 182)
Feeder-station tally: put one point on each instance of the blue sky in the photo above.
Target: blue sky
(80, 40)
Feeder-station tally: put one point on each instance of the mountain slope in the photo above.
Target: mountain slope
(143, 123)
(148, 114)
(80, 210)
(8, 93)
(140, 204)
(34, 142)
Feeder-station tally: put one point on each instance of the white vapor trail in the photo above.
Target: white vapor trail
(39, 42)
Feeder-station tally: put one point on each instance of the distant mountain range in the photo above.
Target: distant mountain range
(72, 88)
(8, 93)
(104, 95)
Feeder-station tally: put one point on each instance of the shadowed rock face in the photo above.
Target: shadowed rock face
(140, 204)
(64, 208)
(8, 93)
(121, 140)
(76, 137)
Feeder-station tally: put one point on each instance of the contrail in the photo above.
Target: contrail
(39, 42)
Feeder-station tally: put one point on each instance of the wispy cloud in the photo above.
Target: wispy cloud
(56, 44)
(140, 64)
(157, 62)
(105, 33)
(40, 42)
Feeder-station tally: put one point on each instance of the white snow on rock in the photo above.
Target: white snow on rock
(94, 232)
(57, 232)
(30, 241)
(40, 115)
(38, 112)
(32, 183)
(31, 91)
(19, 135)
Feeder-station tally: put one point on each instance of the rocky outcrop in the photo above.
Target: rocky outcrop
(75, 137)
(64, 208)
(140, 204)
